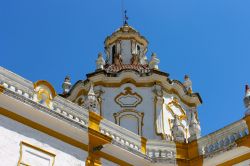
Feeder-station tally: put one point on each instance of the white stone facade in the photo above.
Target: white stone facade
(12, 133)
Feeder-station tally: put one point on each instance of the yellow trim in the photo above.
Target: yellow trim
(137, 84)
(36, 148)
(143, 145)
(247, 119)
(57, 135)
(188, 154)
(236, 160)
(143, 84)
(94, 121)
(2, 88)
(244, 141)
(47, 84)
(96, 138)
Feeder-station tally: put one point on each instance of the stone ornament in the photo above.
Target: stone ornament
(178, 132)
(187, 84)
(44, 93)
(100, 62)
(66, 85)
(128, 98)
(153, 64)
(91, 100)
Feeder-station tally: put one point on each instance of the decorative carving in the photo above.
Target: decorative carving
(128, 99)
(175, 103)
(44, 93)
(91, 100)
(178, 132)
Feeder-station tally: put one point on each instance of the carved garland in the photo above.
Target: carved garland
(128, 99)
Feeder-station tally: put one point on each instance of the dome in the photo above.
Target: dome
(126, 32)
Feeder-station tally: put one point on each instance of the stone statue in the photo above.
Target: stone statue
(159, 102)
(153, 64)
(188, 84)
(178, 131)
(194, 127)
(66, 85)
(100, 62)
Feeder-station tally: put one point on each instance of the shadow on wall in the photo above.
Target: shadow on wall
(43, 138)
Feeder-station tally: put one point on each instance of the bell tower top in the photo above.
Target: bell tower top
(126, 46)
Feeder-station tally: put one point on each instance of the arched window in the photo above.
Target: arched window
(138, 48)
(113, 53)
(130, 119)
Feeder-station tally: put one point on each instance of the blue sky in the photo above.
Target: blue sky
(208, 40)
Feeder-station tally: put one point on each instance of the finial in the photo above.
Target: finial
(153, 64)
(66, 85)
(125, 18)
(100, 62)
(91, 100)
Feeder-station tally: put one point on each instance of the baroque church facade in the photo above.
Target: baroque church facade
(127, 112)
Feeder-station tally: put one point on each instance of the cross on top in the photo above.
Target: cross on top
(125, 18)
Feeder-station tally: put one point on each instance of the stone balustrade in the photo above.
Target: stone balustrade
(222, 140)
(161, 150)
(121, 135)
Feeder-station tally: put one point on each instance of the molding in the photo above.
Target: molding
(43, 129)
(236, 160)
(36, 148)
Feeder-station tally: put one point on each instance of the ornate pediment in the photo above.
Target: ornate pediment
(128, 98)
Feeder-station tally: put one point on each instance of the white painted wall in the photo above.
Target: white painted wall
(109, 107)
(12, 133)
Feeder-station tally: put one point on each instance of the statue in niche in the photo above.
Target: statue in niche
(134, 60)
(159, 102)
(118, 60)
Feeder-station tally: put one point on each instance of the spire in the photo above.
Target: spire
(125, 18)
(91, 100)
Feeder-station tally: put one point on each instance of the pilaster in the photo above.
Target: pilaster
(96, 140)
